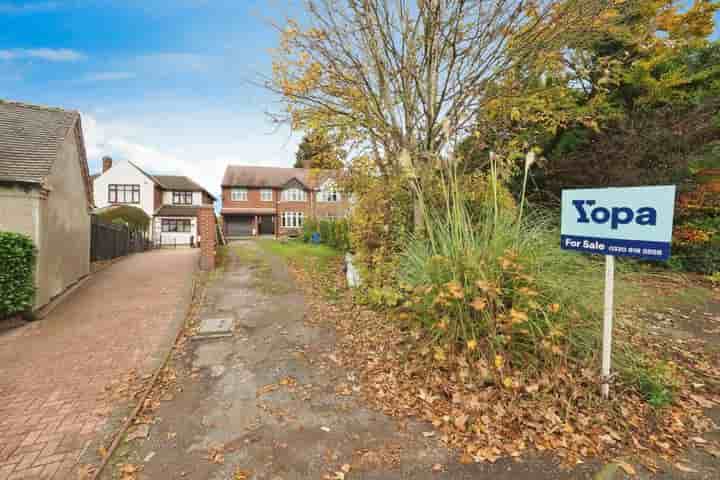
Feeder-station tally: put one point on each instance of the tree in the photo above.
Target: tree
(317, 151)
(401, 81)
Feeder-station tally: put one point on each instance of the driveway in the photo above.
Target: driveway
(61, 377)
(272, 403)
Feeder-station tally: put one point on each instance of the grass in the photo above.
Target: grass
(310, 255)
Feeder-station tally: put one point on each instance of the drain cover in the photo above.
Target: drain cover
(215, 328)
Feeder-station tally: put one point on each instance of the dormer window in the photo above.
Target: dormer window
(182, 198)
(293, 195)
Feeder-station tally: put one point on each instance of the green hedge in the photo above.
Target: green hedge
(17, 264)
(334, 233)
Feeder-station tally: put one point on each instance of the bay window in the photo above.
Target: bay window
(292, 219)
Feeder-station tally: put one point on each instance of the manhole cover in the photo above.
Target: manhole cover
(215, 328)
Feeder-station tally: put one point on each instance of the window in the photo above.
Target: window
(182, 198)
(175, 225)
(123, 193)
(292, 219)
(266, 195)
(293, 195)
(328, 193)
(238, 195)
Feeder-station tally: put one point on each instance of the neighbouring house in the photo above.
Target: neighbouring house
(45, 191)
(277, 201)
(172, 201)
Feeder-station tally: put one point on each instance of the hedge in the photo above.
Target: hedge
(17, 264)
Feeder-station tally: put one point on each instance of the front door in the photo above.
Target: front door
(267, 225)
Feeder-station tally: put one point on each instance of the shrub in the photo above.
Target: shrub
(310, 226)
(17, 264)
(479, 280)
(326, 232)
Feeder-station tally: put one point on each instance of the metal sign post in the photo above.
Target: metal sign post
(627, 222)
(608, 324)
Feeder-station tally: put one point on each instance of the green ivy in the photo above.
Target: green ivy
(17, 264)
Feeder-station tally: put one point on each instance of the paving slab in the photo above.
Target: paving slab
(56, 375)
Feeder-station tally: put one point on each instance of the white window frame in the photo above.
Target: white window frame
(292, 219)
(239, 194)
(329, 193)
(294, 195)
(266, 195)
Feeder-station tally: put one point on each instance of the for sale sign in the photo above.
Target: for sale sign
(627, 222)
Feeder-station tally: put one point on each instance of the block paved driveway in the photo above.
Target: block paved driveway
(54, 372)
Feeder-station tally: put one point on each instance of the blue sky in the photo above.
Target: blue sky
(168, 87)
(171, 88)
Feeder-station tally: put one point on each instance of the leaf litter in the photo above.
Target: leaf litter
(557, 411)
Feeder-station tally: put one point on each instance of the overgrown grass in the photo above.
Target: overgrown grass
(309, 254)
(483, 282)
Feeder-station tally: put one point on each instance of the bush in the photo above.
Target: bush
(310, 226)
(17, 264)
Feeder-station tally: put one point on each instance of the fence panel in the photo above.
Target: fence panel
(110, 240)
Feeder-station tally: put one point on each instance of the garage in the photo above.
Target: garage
(239, 226)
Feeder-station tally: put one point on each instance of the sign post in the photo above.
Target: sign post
(629, 222)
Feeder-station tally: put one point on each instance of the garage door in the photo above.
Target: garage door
(239, 226)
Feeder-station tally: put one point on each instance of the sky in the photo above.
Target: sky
(171, 85)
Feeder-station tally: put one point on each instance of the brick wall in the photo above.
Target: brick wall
(310, 208)
(253, 199)
(208, 239)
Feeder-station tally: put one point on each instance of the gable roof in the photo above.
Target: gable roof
(30, 141)
(274, 177)
(170, 182)
(180, 182)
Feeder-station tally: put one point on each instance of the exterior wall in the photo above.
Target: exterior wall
(253, 200)
(124, 173)
(65, 247)
(310, 208)
(20, 210)
(157, 197)
(175, 238)
(208, 239)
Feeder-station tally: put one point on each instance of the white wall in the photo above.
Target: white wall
(167, 198)
(124, 173)
(168, 238)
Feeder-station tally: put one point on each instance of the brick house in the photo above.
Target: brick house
(172, 201)
(277, 201)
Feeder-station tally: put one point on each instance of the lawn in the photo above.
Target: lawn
(309, 254)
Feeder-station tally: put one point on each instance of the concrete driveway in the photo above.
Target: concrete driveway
(61, 377)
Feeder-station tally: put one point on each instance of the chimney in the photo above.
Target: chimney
(107, 163)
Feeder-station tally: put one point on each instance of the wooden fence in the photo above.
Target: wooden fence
(111, 240)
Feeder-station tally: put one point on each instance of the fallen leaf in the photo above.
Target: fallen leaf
(629, 469)
(685, 468)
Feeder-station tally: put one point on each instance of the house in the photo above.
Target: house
(45, 191)
(172, 201)
(276, 201)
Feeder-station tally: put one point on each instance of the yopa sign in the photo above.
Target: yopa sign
(629, 222)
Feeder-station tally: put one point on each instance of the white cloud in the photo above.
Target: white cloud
(108, 76)
(30, 7)
(49, 54)
(173, 147)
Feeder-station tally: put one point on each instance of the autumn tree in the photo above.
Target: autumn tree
(316, 150)
(400, 80)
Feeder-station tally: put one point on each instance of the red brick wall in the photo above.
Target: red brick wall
(208, 239)
(158, 194)
(253, 200)
(309, 208)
